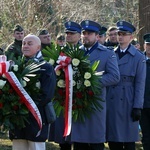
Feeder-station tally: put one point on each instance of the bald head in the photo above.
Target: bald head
(31, 45)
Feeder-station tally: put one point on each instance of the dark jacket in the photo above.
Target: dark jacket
(147, 86)
(48, 82)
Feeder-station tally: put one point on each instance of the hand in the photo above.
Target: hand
(136, 114)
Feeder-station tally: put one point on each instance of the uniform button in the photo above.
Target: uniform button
(121, 99)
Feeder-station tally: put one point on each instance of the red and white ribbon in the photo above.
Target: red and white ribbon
(65, 64)
(26, 99)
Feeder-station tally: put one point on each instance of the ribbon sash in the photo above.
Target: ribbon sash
(64, 63)
(27, 100)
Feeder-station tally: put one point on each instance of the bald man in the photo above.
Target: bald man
(25, 138)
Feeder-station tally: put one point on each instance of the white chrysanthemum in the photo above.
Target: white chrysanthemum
(87, 75)
(58, 72)
(51, 61)
(74, 83)
(75, 61)
(2, 83)
(87, 83)
(38, 85)
(23, 83)
(61, 83)
(15, 67)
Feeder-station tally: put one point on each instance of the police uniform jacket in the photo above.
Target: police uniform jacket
(125, 96)
(94, 128)
(147, 86)
(48, 82)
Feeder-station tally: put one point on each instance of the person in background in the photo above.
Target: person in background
(111, 41)
(136, 43)
(125, 99)
(60, 39)
(26, 138)
(15, 46)
(90, 134)
(102, 35)
(45, 38)
(145, 117)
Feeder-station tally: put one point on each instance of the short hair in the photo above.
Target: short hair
(112, 28)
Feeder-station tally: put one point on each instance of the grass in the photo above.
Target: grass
(6, 144)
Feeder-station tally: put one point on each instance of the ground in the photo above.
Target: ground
(6, 144)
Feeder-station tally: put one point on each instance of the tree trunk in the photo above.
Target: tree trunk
(144, 19)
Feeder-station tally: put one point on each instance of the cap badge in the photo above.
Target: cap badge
(87, 23)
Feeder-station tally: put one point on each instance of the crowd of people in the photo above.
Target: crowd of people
(125, 87)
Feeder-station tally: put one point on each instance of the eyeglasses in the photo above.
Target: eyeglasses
(123, 33)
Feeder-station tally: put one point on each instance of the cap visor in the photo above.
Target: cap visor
(71, 31)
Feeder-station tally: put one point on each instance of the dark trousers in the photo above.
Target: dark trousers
(65, 146)
(145, 126)
(121, 145)
(88, 146)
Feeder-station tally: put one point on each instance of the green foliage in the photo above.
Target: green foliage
(86, 85)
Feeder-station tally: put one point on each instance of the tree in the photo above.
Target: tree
(144, 21)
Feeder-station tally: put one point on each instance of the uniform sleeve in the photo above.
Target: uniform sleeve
(111, 74)
(139, 83)
(48, 84)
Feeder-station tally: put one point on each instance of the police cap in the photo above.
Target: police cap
(72, 27)
(125, 26)
(88, 25)
(146, 38)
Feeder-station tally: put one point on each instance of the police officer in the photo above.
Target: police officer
(91, 133)
(73, 33)
(102, 35)
(145, 119)
(125, 99)
(15, 47)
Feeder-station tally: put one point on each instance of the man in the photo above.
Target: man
(26, 138)
(73, 33)
(145, 119)
(60, 40)
(102, 35)
(111, 41)
(45, 38)
(91, 133)
(125, 99)
(136, 43)
(15, 46)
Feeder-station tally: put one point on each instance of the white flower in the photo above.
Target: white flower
(51, 61)
(61, 83)
(38, 85)
(3, 75)
(15, 67)
(87, 83)
(58, 72)
(23, 83)
(75, 61)
(74, 83)
(87, 75)
(2, 83)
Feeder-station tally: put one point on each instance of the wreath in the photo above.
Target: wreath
(14, 76)
(86, 85)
